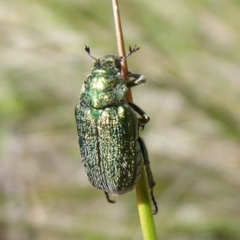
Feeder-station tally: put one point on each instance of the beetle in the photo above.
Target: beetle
(112, 151)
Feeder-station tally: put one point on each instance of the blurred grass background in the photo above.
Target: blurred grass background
(190, 55)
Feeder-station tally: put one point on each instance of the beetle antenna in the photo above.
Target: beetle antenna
(87, 49)
(131, 51)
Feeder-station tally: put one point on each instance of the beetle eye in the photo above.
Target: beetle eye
(118, 64)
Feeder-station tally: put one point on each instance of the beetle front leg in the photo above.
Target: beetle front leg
(138, 79)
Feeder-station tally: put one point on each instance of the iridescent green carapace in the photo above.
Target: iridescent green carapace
(108, 129)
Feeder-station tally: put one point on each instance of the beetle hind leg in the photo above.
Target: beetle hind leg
(108, 198)
(155, 211)
(151, 182)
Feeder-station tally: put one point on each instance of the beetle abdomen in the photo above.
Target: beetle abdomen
(109, 148)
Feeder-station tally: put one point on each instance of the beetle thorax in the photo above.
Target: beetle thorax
(100, 92)
(104, 86)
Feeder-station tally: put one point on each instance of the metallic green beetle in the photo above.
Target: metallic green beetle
(108, 129)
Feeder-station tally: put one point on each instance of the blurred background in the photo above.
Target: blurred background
(190, 55)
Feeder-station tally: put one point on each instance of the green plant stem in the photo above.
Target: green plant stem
(143, 198)
(145, 209)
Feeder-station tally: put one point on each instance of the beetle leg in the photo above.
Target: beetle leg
(151, 182)
(144, 117)
(108, 198)
(138, 79)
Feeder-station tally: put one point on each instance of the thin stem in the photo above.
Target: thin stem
(143, 198)
(120, 43)
(145, 209)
